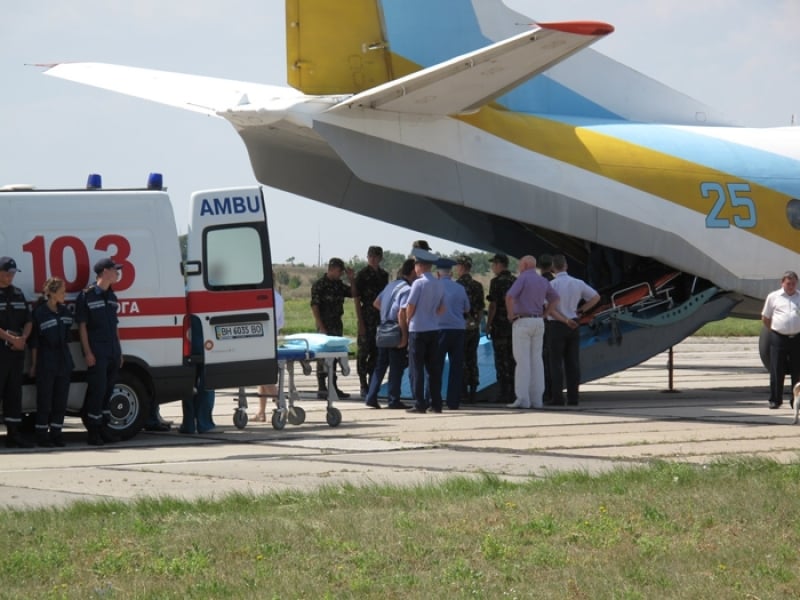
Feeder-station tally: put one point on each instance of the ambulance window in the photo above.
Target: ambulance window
(234, 258)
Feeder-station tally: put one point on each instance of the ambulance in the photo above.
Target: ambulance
(223, 285)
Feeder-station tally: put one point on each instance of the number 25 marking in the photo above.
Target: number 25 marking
(737, 194)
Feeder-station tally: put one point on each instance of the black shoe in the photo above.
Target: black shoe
(774, 405)
(364, 390)
(437, 410)
(373, 404)
(94, 438)
(108, 436)
(342, 395)
(414, 409)
(398, 406)
(58, 440)
(158, 427)
(17, 441)
(572, 403)
(43, 440)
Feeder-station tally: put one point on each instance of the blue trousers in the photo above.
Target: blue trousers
(396, 360)
(451, 344)
(423, 356)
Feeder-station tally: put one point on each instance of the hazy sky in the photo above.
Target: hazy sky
(739, 56)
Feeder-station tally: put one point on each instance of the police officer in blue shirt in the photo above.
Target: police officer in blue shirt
(96, 315)
(51, 362)
(15, 327)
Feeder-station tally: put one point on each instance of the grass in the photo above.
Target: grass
(726, 530)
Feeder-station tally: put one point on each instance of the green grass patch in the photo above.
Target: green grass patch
(726, 530)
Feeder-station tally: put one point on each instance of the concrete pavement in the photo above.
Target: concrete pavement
(718, 409)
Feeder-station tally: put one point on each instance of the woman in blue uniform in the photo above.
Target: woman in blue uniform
(51, 362)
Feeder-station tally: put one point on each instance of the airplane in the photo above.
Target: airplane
(516, 137)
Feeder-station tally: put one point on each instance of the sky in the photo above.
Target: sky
(738, 56)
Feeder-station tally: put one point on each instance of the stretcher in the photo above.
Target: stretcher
(301, 349)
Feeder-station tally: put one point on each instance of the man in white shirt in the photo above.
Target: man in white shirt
(563, 336)
(781, 315)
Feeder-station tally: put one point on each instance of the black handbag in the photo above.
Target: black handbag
(388, 334)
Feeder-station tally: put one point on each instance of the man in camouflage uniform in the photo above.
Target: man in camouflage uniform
(499, 327)
(327, 305)
(474, 291)
(369, 283)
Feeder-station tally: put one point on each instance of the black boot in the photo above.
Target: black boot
(108, 435)
(14, 438)
(322, 388)
(43, 439)
(93, 437)
(471, 394)
(57, 437)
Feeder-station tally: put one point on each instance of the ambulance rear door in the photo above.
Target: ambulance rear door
(229, 283)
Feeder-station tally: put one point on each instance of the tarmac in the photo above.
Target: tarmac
(715, 408)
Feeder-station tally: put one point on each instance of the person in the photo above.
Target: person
(452, 330)
(15, 329)
(472, 333)
(563, 336)
(96, 315)
(51, 362)
(389, 303)
(781, 316)
(546, 266)
(271, 390)
(529, 300)
(369, 282)
(327, 305)
(198, 408)
(499, 327)
(424, 306)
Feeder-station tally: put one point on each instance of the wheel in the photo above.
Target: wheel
(240, 418)
(129, 405)
(333, 417)
(278, 419)
(297, 416)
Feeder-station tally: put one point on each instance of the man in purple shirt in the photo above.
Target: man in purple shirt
(528, 301)
(425, 304)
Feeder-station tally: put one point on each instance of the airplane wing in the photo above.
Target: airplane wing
(207, 95)
(467, 82)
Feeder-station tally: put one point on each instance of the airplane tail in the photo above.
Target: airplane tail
(336, 47)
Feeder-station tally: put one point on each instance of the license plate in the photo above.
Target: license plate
(245, 330)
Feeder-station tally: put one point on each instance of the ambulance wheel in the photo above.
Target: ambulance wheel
(306, 367)
(297, 416)
(129, 405)
(333, 417)
(278, 419)
(240, 418)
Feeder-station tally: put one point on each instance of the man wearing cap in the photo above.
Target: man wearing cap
(499, 327)
(452, 327)
(96, 314)
(425, 304)
(369, 282)
(781, 316)
(15, 328)
(327, 305)
(528, 302)
(472, 333)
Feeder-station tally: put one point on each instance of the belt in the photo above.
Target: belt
(786, 335)
(527, 317)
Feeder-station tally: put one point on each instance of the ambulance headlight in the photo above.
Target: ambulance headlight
(94, 182)
(155, 181)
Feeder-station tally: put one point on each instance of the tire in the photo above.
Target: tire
(240, 418)
(333, 416)
(297, 416)
(129, 406)
(278, 419)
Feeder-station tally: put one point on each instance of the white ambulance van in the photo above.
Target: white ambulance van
(224, 285)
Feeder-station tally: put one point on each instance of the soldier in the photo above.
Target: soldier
(327, 305)
(369, 283)
(475, 292)
(499, 327)
(15, 328)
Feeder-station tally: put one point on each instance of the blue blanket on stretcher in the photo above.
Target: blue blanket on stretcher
(315, 342)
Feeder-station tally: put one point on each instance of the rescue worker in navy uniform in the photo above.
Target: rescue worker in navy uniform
(15, 328)
(51, 362)
(499, 327)
(327, 305)
(96, 314)
(370, 281)
(472, 337)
